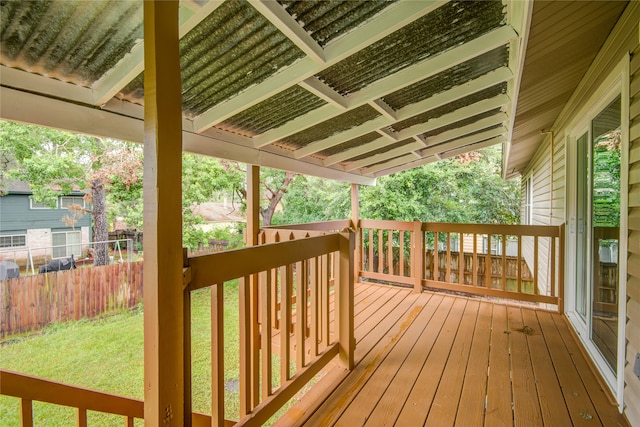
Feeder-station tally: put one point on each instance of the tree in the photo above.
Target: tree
(54, 162)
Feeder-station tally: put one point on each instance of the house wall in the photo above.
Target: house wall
(16, 214)
(550, 209)
(632, 383)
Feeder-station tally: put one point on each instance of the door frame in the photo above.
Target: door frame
(616, 83)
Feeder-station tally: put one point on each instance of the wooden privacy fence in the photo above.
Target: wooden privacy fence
(313, 328)
(31, 302)
(520, 262)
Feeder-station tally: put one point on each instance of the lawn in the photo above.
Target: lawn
(107, 354)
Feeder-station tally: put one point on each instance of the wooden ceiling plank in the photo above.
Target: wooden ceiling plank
(465, 130)
(339, 138)
(132, 64)
(452, 145)
(472, 147)
(284, 22)
(363, 163)
(356, 151)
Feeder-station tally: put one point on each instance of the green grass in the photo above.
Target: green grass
(106, 354)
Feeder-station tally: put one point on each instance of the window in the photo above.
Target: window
(42, 205)
(66, 243)
(13, 241)
(528, 201)
(66, 201)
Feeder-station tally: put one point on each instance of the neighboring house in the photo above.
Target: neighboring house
(29, 226)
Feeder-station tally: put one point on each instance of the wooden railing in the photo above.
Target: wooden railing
(32, 389)
(308, 337)
(471, 258)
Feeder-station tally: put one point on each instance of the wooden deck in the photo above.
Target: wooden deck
(436, 359)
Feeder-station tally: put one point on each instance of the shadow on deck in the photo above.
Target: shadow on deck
(439, 359)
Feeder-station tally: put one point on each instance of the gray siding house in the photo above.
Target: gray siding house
(26, 225)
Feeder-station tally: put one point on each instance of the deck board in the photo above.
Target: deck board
(438, 359)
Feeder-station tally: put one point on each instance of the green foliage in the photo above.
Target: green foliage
(606, 185)
(451, 190)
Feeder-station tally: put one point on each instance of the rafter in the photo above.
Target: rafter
(323, 91)
(470, 140)
(51, 112)
(337, 139)
(472, 147)
(465, 130)
(410, 165)
(132, 64)
(409, 148)
(390, 164)
(356, 151)
(455, 116)
(391, 19)
(284, 22)
(384, 109)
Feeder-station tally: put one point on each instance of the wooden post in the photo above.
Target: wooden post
(355, 220)
(163, 293)
(561, 260)
(252, 231)
(345, 301)
(418, 255)
(253, 205)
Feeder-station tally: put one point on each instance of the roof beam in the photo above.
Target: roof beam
(472, 147)
(487, 122)
(132, 63)
(408, 148)
(469, 140)
(390, 164)
(323, 91)
(455, 116)
(44, 111)
(391, 19)
(410, 165)
(339, 138)
(284, 22)
(434, 65)
(356, 151)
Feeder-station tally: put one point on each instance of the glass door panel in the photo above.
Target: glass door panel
(582, 178)
(605, 229)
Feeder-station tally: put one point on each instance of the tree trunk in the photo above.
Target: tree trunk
(100, 230)
(276, 196)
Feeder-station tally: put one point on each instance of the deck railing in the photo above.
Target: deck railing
(519, 262)
(308, 337)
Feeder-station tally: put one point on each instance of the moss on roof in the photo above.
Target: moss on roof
(352, 143)
(461, 123)
(384, 149)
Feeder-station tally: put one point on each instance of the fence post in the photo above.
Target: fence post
(418, 255)
(345, 300)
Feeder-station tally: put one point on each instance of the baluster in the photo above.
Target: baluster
(217, 355)
(81, 417)
(26, 413)
(265, 288)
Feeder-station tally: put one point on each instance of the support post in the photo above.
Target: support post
(561, 265)
(355, 221)
(163, 290)
(345, 301)
(253, 205)
(418, 256)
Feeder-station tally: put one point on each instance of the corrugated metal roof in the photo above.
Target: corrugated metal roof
(327, 20)
(451, 106)
(460, 123)
(454, 76)
(384, 149)
(72, 41)
(352, 143)
(253, 81)
(272, 112)
(448, 26)
(330, 127)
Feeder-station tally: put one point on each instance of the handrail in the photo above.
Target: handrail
(335, 225)
(274, 280)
